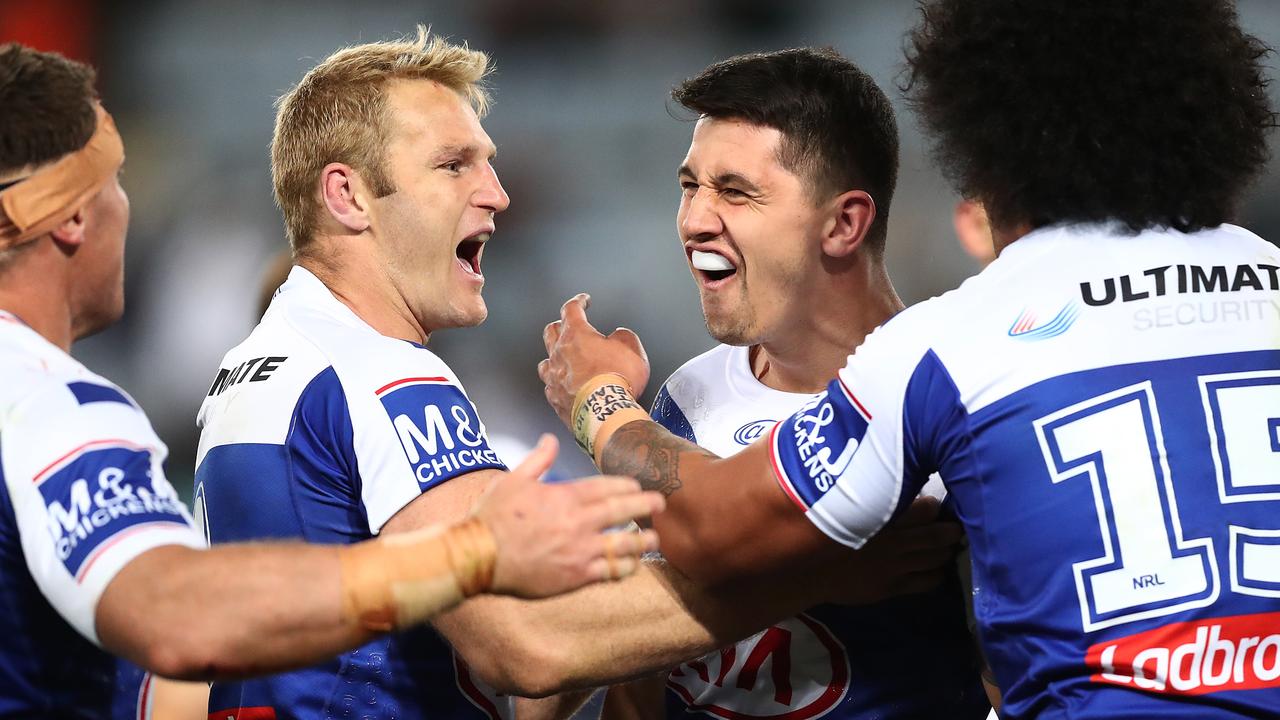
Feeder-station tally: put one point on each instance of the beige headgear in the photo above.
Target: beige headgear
(44, 200)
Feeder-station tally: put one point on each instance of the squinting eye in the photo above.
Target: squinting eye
(453, 166)
(689, 186)
(733, 193)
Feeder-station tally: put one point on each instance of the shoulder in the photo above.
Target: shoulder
(692, 379)
(56, 404)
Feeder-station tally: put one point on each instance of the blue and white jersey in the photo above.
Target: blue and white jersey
(319, 428)
(84, 493)
(1105, 411)
(908, 657)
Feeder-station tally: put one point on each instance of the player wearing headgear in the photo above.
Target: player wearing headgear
(783, 216)
(98, 555)
(334, 421)
(1101, 401)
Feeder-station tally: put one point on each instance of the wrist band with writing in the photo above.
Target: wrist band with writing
(601, 406)
(398, 580)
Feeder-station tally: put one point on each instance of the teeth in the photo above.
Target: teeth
(710, 261)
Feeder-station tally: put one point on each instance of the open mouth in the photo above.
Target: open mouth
(713, 267)
(469, 252)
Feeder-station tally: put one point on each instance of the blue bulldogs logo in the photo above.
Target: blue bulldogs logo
(100, 493)
(752, 431)
(438, 428)
(815, 446)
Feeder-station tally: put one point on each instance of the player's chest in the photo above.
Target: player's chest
(728, 428)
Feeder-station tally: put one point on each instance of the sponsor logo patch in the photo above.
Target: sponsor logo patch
(814, 447)
(438, 428)
(752, 431)
(94, 495)
(1241, 652)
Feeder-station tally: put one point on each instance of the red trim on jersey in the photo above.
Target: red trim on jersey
(110, 441)
(779, 473)
(245, 713)
(849, 394)
(101, 549)
(462, 674)
(143, 697)
(405, 381)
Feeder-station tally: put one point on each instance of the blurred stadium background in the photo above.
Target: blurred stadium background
(587, 151)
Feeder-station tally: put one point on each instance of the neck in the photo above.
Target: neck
(35, 288)
(361, 283)
(820, 336)
(1003, 237)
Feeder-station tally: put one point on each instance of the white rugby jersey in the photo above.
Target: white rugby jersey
(318, 427)
(1105, 411)
(84, 494)
(908, 657)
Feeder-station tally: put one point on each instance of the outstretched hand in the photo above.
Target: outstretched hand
(577, 352)
(551, 537)
(911, 555)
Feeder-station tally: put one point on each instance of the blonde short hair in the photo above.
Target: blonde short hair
(337, 113)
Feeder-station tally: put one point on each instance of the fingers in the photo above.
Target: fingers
(540, 459)
(621, 552)
(924, 509)
(628, 337)
(919, 582)
(551, 334)
(943, 535)
(574, 313)
(619, 509)
(928, 560)
(595, 489)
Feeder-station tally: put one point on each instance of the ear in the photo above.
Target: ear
(852, 214)
(974, 230)
(344, 197)
(69, 235)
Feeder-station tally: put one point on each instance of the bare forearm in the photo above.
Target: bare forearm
(716, 507)
(607, 634)
(556, 707)
(230, 611)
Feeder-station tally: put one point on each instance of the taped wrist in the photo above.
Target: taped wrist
(601, 406)
(394, 581)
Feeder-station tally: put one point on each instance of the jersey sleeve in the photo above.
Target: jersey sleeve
(858, 454)
(83, 468)
(420, 433)
(667, 413)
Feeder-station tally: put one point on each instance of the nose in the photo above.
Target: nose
(491, 195)
(698, 217)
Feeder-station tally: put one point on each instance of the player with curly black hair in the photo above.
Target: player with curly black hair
(1147, 112)
(1102, 401)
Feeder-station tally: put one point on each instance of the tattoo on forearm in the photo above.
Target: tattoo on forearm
(648, 453)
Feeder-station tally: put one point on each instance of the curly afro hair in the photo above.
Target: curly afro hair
(1147, 112)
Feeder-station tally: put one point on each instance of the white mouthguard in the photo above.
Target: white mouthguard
(710, 261)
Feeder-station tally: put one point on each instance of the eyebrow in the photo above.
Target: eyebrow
(722, 179)
(468, 150)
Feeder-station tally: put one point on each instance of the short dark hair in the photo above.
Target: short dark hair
(1146, 112)
(837, 125)
(48, 106)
